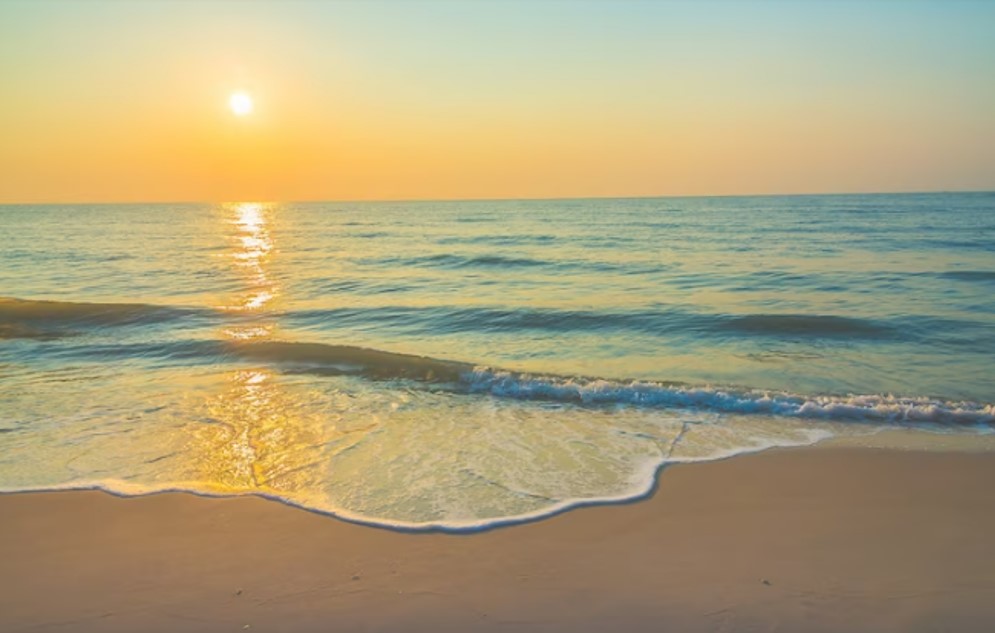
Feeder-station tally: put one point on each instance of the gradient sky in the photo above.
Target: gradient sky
(127, 101)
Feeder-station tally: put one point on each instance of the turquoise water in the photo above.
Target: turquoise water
(459, 364)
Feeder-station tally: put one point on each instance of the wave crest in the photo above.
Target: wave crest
(40, 312)
(877, 408)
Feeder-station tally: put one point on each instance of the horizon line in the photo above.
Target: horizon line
(511, 199)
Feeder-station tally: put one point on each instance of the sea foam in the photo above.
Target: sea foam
(880, 408)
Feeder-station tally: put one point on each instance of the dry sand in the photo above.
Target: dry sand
(822, 539)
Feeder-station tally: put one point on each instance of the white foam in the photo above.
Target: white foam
(882, 408)
(533, 462)
(642, 481)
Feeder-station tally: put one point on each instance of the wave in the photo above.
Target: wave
(321, 358)
(880, 408)
(970, 275)
(824, 326)
(34, 318)
(370, 235)
(498, 240)
(453, 261)
(17, 330)
(458, 261)
(980, 243)
(461, 377)
(38, 313)
(671, 322)
(450, 319)
(466, 378)
(496, 261)
(43, 320)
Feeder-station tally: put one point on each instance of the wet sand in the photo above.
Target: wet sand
(817, 539)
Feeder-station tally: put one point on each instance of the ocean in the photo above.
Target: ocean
(464, 364)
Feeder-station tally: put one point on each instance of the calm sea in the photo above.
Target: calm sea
(461, 364)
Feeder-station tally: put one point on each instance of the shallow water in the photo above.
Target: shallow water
(464, 363)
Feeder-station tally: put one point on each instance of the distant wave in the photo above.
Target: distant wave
(18, 330)
(21, 318)
(321, 358)
(370, 235)
(498, 261)
(980, 243)
(809, 325)
(40, 319)
(970, 275)
(498, 240)
(462, 261)
(454, 261)
(672, 321)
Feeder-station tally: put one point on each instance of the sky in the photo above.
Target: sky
(128, 101)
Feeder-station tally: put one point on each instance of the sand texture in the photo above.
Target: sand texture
(821, 539)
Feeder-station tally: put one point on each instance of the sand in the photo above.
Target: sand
(818, 539)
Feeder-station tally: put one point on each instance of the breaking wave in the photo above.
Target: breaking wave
(35, 320)
(876, 408)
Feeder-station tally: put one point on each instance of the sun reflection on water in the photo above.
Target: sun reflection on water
(260, 436)
(255, 432)
(252, 249)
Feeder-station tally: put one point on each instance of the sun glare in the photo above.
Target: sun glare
(240, 103)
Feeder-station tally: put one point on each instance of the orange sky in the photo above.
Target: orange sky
(128, 101)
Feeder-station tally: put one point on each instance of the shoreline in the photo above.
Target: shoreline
(823, 538)
(883, 439)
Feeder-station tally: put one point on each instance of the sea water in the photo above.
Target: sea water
(462, 364)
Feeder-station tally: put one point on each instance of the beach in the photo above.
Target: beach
(808, 539)
(466, 364)
(499, 317)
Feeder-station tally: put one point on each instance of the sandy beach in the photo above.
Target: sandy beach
(817, 539)
(497, 317)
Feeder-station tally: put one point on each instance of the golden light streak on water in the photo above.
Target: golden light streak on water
(248, 333)
(259, 430)
(252, 248)
(261, 437)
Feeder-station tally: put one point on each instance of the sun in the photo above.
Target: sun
(240, 103)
